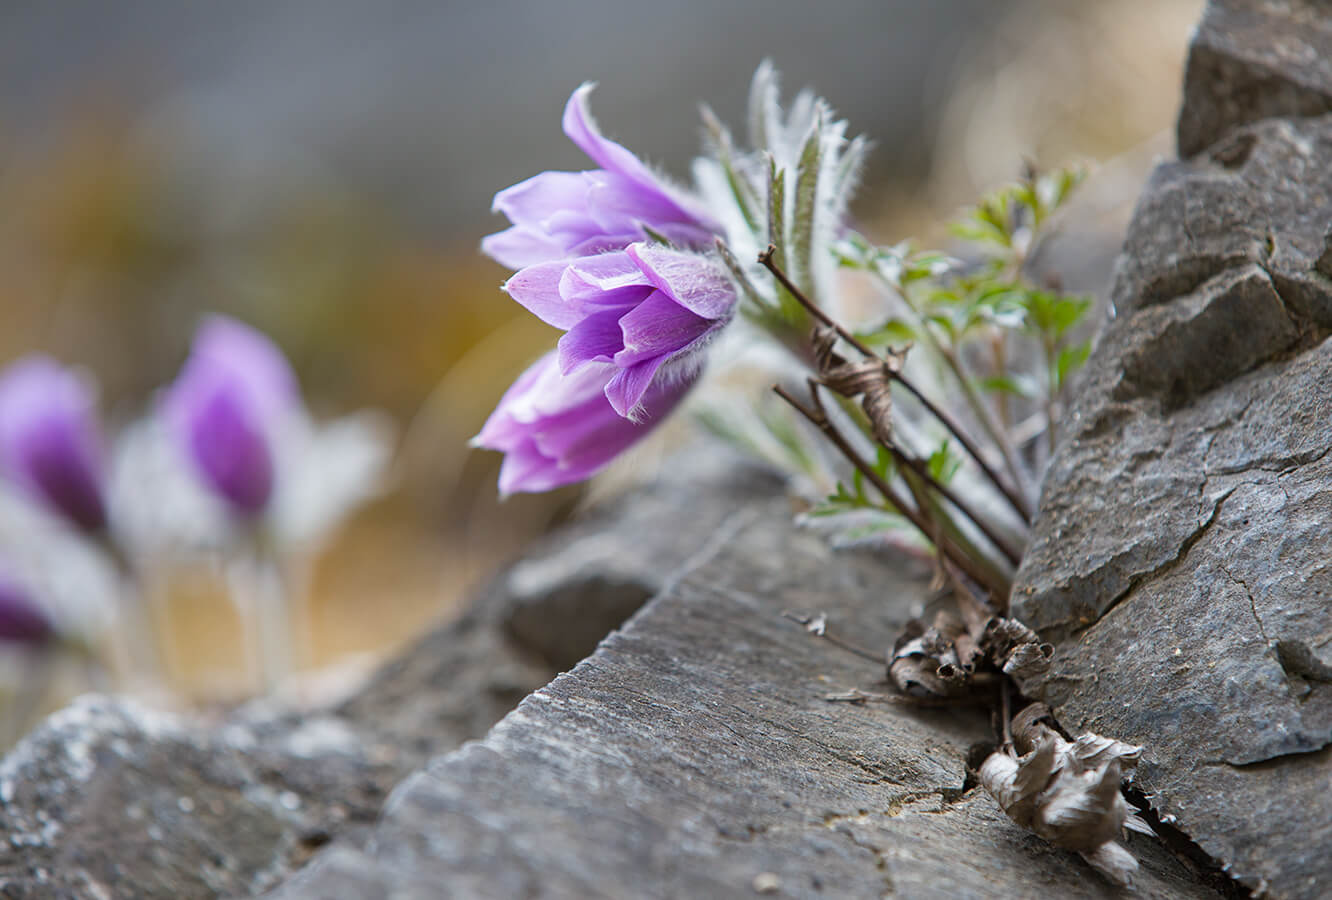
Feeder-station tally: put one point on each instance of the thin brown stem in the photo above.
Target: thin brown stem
(1014, 498)
(1014, 556)
(920, 468)
(818, 417)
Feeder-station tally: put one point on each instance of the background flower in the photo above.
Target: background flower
(22, 621)
(234, 389)
(49, 440)
(557, 429)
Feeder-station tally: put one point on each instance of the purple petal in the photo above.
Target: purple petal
(538, 289)
(657, 327)
(520, 246)
(626, 388)
(582, 130)
(595, 339)
(538, 198)
(49, 440)
(597, 443)
(602, 273)
(557, 429)
(695, 282)
(230, 448)
(232, 394)
(21, 620)
(249, 357)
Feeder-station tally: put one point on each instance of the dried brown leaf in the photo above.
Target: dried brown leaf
(1066, 792)
(870, 379)
(1114, 862)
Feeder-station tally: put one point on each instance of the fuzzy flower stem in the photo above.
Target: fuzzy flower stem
(139, 640)
(819, 418)
(947, 421)
(260, 592)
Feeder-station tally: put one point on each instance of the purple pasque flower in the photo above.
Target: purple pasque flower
(571, 214)
(50, 443)
(234, 390)
(22, 621)
(646, 310)
(557, 429)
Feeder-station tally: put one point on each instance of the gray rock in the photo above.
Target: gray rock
(695, 755)
(1180, 552)
(111, 799)
(1251, 60)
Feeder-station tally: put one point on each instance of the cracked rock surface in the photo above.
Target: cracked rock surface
(1181, 552)
(111, 799)
(695, 755)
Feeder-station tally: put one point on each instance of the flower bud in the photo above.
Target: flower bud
(233, 391)
(21, 620)
(49, 439)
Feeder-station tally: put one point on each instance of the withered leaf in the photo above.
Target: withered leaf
(1067, 792)
(870, 379)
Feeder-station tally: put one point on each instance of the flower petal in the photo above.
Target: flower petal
(657, 327)
(49, 439)
(538, 289)
(595, 339)
(582, 130)
(606, 272)
(540, 197)
(695, 282)
(626, 388)
(520, 246)
(557, 429)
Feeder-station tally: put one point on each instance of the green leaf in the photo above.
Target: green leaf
(1008, 384)
(1069, 360)
(806, 197)
(891, 333)
(978, 232)
(746, 198)
(942, 465)
(777, 211)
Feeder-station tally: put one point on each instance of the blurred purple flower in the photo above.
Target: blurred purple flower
(235, 387)
(647, 310)
(561, 214)
(49, 439)
(556, 429)
(21, 620)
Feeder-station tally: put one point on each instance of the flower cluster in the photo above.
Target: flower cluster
(615, 257)
(227, 462)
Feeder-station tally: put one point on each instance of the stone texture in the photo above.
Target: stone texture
(1251, 60)
(111, 799)
(1180, 552)
(695, 755)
